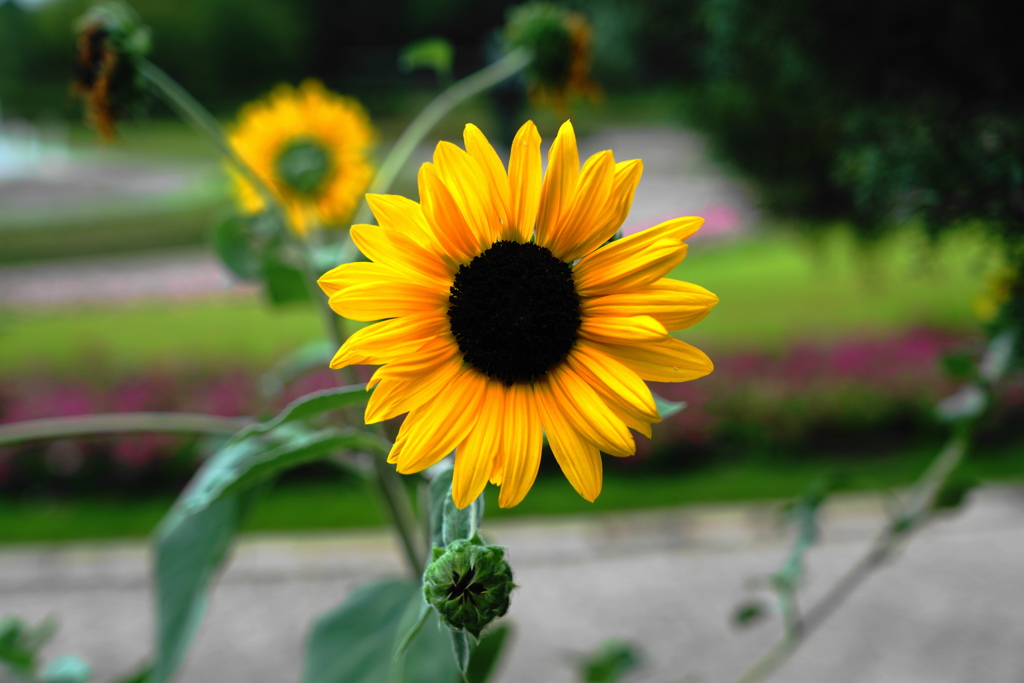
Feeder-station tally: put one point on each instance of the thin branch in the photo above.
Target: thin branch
(116, 423)
(431, 115)
(918, 510)
(189, 109)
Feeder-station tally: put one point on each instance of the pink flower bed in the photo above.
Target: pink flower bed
(788, 399)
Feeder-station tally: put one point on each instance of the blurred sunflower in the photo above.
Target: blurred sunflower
(562, 45)
(507, 314)
(310, 147)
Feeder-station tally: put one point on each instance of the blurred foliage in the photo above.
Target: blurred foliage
(875, 110)
(227, 51)
(610, 662)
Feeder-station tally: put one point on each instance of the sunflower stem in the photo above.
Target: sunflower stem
(396, 498)
(118, 423)
(389, 484)
(474, 84)
(189, 109)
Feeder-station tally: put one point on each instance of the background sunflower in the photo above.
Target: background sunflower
(309, 146)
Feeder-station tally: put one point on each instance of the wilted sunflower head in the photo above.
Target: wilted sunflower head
(110, 45)
(561, 43)
(310, 147)
(507, 314)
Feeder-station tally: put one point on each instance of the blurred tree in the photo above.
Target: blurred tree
(870, 108)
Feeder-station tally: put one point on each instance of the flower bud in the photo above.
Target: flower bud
(561, 43)
(111, 44)
(469, 585)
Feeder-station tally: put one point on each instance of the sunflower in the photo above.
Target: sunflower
(507, 314)
(309, 146)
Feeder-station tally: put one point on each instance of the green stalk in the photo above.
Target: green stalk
(459, 92)
(393, 493)
(919, 509)
(189, 109)
(115, 423)
(389, 483)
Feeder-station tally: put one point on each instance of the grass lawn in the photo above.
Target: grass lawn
(774, 290)
(346, 504)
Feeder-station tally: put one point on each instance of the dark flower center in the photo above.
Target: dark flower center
(464, 588)
(304, 165)
(514, 311)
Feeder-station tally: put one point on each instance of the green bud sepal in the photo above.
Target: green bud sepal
(469, 584)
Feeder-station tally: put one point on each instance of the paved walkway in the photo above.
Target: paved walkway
(678, 180)
(948, 611)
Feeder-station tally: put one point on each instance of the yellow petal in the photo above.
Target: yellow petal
(447, 224)
(522, 444)
(580, 460)
(615, 382)
(613, 215)
(385, 341)
(677, 229)
(377, 301)
(394, 396)
(602, 276)
(665, 361)
(638, 329)
(673, 303)
(430, 354)
(481, 150)
(401, 213)
(474, 458)
(465, 179)
(524, 181)
(433, 430)
(358, 273)
(586, 209)
(559, 183)
(399, 251)
(497, 469)
(589, 414)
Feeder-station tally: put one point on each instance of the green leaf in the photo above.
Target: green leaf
(20, 643)
(667, 408)
(959, 366)
(261, 451)
(422, 611)
(461, 649)
(967, 404)
(487, 653)
(310, 356)
(748, 613)
(66, 669)
(432, 53)
(312, 405)
(612, 660)
(284, 283)
(355, 643)
(447, 522)
(953, 492)
(189, 549)
(140, 676)
(235, 247)
(240, 465)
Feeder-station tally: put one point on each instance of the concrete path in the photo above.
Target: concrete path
(950, 610)
(678, 180)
